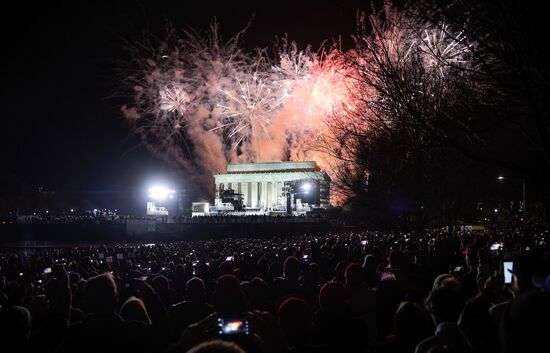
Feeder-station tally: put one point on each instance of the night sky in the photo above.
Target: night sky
(61, 127)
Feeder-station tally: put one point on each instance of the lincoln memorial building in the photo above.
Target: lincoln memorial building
(270, 186)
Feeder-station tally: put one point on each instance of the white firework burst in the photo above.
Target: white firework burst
(294, 66)
(439, 49)
(174, 100)
(247, 109)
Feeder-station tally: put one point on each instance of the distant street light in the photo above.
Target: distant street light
(500, 178)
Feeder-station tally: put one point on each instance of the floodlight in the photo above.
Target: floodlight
(306, 186)
(160, 193)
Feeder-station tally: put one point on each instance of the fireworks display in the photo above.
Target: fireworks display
(201, 102)
(204, 102)
(440, 50)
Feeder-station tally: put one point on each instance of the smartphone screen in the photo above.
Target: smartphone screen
(507, 265)
(47, 270)
(232, 326)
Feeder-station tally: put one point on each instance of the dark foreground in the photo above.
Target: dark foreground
(142, 230)
(347, 292)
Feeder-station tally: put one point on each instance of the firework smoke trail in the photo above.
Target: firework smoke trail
(176, 87)
(200, 102)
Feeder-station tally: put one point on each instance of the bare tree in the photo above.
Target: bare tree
(506, 56)
(415, 94)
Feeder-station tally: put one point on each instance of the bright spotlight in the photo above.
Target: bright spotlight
(306, 187)
(500, 177)
(160, 193)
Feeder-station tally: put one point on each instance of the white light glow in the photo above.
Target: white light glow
(160, 193)
(306, 187)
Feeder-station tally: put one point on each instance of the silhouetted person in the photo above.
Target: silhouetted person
(258, 294)
(193, 309)
(336, 327)
(228, 297)
(445, 306)
(476, 322)
(104, 330)
(389, 294)
(526, 323)
(296, 321)
(362, 300)
(525, 267)
(411, 325)
(15, 328)
(288, 284)
(133, 309)
(369, 265)
(216, 346)
(161, 285)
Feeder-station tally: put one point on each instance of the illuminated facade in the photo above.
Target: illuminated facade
(275, 186)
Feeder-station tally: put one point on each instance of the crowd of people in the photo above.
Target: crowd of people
(252, 218)
(347, 292)
(87, 218)
(120, 219)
